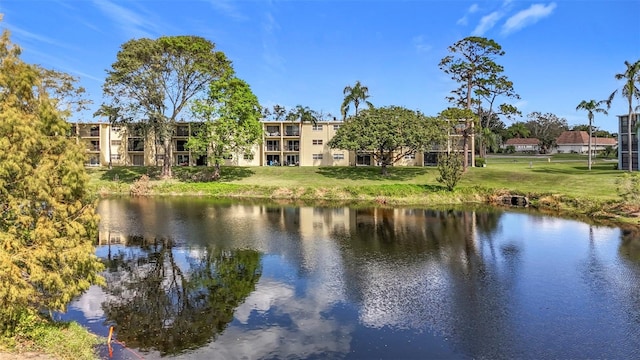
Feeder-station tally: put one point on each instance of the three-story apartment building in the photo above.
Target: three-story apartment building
(284, 143)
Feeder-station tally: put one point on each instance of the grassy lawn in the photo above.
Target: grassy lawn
(523, 175)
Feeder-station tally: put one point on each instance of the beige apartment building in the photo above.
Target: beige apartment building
(284, 143)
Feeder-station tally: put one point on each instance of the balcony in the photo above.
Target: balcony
(93, 146)
(135, 145)
(292, 133)
(292, 148)
(94, 131)
(272, 148)
(182, 130)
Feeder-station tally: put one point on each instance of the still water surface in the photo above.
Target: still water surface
(189, 278)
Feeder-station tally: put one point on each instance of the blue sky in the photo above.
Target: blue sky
(305, 52)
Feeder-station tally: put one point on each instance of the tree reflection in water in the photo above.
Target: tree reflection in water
(171, 299)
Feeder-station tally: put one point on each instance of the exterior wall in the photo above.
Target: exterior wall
(574, 148)
(314, 150)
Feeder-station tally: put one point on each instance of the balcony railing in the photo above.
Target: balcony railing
(182, 131)
(292, 133)
(272, 148)
(272, 133)
(292, 148)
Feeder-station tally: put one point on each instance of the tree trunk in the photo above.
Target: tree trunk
(629, 137)
(166, 164)
(590, 131)
(216, 170)
(465, 149)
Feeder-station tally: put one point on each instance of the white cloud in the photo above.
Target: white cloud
(472, 9)
(131, 23)
(270, 55)
(527, 17)
(420, 44)
(486, 23)
(228, 9)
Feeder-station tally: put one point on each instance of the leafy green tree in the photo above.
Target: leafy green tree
(546, 128)
(482, 83)
(518, 130)
(231, 114)
(153, 81)
(47, 218)
(389, 133)
(591, 107)
(462, 122)
(450, 169)
(630, 91)
(356, 95)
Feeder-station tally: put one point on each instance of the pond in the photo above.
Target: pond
(189, 278)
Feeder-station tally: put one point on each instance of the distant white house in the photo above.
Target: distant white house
(578, 142)
(523, 144)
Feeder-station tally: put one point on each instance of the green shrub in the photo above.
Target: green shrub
(481, 162)
(450, 169)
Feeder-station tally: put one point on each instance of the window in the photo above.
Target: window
(137, 160)
(317, 156)
(183, 159)
(115, 157)
(115, 129)
(410, 156)
(273, 145)
(248, 156)
(336, 127)
(339, 156)
(136, 145)
(94, 160)
(317, 127)
(116, 142)
(317, 141)
(181, 145)
(95, 145)
(182, 130)
(94, 131)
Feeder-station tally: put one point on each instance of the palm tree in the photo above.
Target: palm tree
(518, 130)
(630, 90)
(591, 107)
(302, 114)
(357, 94)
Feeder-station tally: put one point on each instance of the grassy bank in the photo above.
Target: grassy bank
(561, 185)
(37, 336)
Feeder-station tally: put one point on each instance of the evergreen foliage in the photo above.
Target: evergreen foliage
(389, 133)
(450, 169)
(47, 218)
(232, 122)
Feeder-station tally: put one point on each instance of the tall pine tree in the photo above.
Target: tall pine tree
(47, 217)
